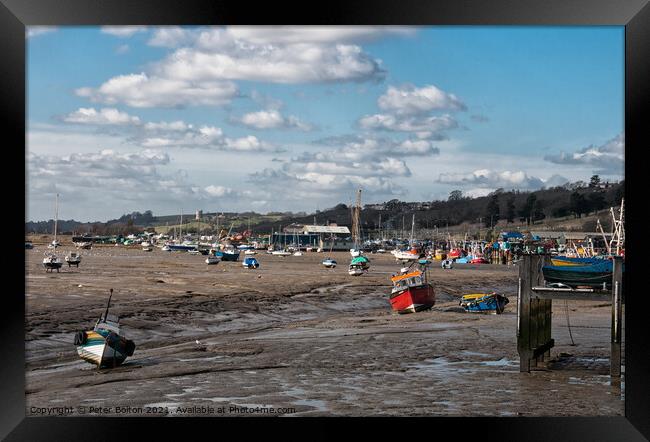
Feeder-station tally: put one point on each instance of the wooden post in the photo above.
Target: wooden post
(523, 316)
(617, 292)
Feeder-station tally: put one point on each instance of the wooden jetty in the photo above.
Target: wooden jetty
(534, 301)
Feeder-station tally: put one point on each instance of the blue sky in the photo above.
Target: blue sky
(266, 119)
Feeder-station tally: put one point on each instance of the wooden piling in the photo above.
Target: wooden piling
(617, 310)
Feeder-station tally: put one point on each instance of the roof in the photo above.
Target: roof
(408, 275)
(326, 229)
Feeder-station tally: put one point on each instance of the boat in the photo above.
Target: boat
(411, 290)
(568, 261)
(182, 247)
(52, 262)
(440, 255)
(73, 259)
(103, 345)
(356, 270)
(281, 253)
(479, 260)
(251, 263)
(298, 253)
(193, 252)
(166, 248)
(361, 261)
(455, 253)
(484, 302)
(250, 252)
(595, 275)
(228, 254)
(212, 258)
(329, 263)
(28, 245)
(84, 245)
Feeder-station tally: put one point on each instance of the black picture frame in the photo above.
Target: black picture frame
(633, 14)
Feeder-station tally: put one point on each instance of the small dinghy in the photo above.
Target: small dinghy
(212, 258)
(484, 303)
(250, 263)
(356, 270)
(103, 345)
(329, 263)
(73, 259)
(250, 252)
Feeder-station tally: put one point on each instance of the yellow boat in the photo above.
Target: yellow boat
(440, 255)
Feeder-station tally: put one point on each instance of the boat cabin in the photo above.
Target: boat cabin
(412, 279)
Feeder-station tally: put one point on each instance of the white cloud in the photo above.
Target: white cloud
(102, 117)
(141, 90)
(606, 158)
(202, 70)
(421, 125)
(34, 31)
(410, 100)
(489, 179)
(272, 119)
(122, 49)
(123, 31)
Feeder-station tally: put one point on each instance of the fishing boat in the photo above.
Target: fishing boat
(251, 263)
(229, 254)
(594, 275)
(411, 290)
(103, 345)
(484, 303)
(73, 259)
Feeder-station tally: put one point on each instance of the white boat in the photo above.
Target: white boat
(193, 252)
(84, 244)
(329, 263)
(73, 258)
(250, 252)
(355, 252)
(51, 260)
(166, 248)
(356, 271)
(298, 253)
(281, 253)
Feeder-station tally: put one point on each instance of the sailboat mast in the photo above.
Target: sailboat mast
(56, 217)
(180, 228)
(412, 228)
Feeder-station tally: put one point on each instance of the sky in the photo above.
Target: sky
(124, 119)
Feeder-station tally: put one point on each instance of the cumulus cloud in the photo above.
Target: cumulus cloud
(205, 63)
(410, 100)
(422, 125)
(142, 90)
(123, 31)
(490, 180)
(104, 116)
(606, 158)
(272, 119)
(118, 177)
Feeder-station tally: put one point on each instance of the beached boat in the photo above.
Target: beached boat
(73, 259)
(166, 248)
(103, 345)
(182, 247)
(251, 263)
(594, 275)
(212, 258)
(228, 254)
(329, 263)
(52, 262)
(361, 261)
(411, 291)
(87, 245)
(455, 253)
(484, 303)
(281, 253)
(479, 260)
(356, 270)
(28, 245)
(250, 252)
(569, 261)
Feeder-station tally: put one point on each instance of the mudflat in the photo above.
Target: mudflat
(295, 338)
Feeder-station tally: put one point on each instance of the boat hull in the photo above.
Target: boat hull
(104, 351)
(484, 303)
(591, 275)
(413, 299)
(228, 256)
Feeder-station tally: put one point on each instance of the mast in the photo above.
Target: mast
(180, 231)
(356, 228)
(56, 217)
(412, 228)
(108, 305)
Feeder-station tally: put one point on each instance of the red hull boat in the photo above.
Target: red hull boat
(411, 293)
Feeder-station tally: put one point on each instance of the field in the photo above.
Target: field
(301, 339)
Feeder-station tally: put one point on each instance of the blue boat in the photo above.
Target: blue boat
(594, 275)
(251, 263)
(228, 255)
(484, 303)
